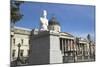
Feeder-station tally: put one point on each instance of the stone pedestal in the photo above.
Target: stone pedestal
(45, 48)
(55, 52)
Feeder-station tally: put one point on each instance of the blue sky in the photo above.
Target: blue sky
(78, 20)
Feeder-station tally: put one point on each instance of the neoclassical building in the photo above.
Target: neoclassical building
(52, 46)
(20, 36)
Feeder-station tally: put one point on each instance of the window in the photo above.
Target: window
(22, 41)
(28, 52)
(21, 52)
(13, 54)
(14, 41)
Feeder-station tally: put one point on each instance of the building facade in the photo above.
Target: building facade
(52, 46)
(20, 36)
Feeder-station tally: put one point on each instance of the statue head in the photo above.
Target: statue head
(44, 13)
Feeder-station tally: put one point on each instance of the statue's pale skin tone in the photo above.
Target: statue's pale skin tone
(44, 22)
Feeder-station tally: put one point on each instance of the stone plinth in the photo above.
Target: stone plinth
(45, 48)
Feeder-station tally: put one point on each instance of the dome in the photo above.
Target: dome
(53, 21)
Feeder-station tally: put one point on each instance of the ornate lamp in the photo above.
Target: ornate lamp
(18, 58)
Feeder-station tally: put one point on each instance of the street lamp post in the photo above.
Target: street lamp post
(18, 58)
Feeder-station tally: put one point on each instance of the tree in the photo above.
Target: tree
(89, 37)
(76, 51)
(89, 41)
(15, 16)
(15, 12)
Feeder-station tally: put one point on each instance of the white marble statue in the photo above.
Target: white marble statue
(44, 21)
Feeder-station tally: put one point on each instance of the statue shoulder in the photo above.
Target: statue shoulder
(41, 18)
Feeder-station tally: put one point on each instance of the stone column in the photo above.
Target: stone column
(65, 45)
(82, 51)
(62, 45)
(68, 46)
(71, 44)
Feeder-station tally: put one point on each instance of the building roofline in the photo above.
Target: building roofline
(22, 28)
(67, 33)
